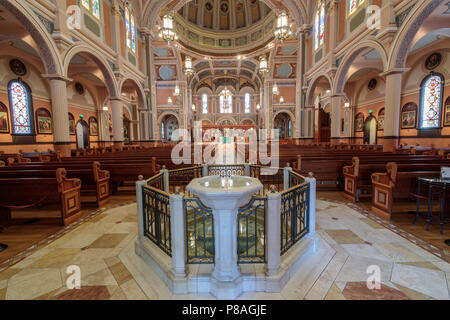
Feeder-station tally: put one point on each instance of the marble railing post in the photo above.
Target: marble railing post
(60, 111)
(140, 207)
(178, 234)
(273, 233)
(312, 205)
(286, 177)
(204, 170)
(166, 186)
(247, 170)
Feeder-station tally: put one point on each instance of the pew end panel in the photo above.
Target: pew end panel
(70, 197)
(350, 180)
(102, 180)
(383, 184)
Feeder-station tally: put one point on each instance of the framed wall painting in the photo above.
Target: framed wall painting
(43, 121)
(381, 120)
(93, 126)
(359, 122)
(433, 61)
(4, 119)
(447, 113)
(409, 116)
(71, 124)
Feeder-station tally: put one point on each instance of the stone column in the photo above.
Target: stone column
(267, 107)
(334, 27)
(60, 110)
(299, 86)
(392, 109)
(117, 122)
(336, 102)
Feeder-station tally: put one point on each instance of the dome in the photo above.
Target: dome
(225, 24)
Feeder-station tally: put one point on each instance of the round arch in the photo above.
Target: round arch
(47, 47)
(161, 117)
(403, 40)
(231, 119)
(139, 89)
(249, 120)
(312, 87)
(102, 64)
(349, 58)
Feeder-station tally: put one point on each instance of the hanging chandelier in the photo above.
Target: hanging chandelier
(166, 32)
(283, 29)
(275, 90)
(263, 66)
(188, 70)
(176, 92)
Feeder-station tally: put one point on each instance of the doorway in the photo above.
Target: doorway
(370, 130)
(82, 135)
(324, 126)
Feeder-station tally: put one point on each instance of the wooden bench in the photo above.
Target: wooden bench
(394, 184)
(29, 192)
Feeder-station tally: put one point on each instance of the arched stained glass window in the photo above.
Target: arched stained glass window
(431, 101)
(247, 103)
(20, 102)
(130, 27)
(319, 26)
(86, 4)
(204, 103)
(92, 6)
(96, 8)
(226, 101)
(353, 5)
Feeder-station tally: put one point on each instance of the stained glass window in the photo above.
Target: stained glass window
(431, 101)
(163, 130)
(353, 5)
(226, 101)
(130, 27)
(96, 8)
(247, 103)
(19, 96)
(205, 103)
(290, 128)
(86, 4)
(319, 26)
(93, 6)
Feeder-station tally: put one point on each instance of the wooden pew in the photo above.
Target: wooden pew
(60, 189)
(394, 184)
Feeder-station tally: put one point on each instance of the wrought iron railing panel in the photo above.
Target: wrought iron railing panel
(182, 177)
(294, 215)
(295, 179)
(156, 205)
(200, 239)
(226, 170)
(251, 236)
(156, 182)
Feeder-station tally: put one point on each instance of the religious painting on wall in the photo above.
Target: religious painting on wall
(409, 115)
(4, 121)
(372, 84)
(71, 124)
(359, 122)
(381, 120)
(93, 126)
(433, 61)
(18, 67)
(44, 121)
(447, 113)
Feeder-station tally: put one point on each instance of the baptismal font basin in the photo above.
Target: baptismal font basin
(225, 195)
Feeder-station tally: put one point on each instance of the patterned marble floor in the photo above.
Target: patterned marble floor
(348, 242)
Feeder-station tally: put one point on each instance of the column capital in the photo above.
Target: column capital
(338, 95)
(306, 28)
(333, 6)
(56, 77)
(394, 71)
